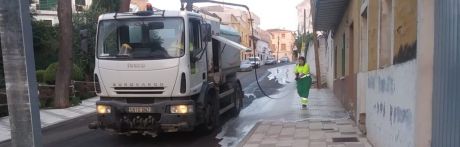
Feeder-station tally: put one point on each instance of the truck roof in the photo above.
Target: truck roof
(167, 13)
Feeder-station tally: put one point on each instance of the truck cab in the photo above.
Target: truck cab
(163, 71)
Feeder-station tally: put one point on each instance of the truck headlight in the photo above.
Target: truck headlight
(181, 109)
(103, 109)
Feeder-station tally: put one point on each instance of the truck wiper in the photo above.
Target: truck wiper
(123, 56)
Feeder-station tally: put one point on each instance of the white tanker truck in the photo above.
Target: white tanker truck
(164, 71)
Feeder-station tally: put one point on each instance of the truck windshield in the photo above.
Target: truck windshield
(141, 39)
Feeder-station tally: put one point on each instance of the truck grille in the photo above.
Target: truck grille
(140, 121)
(139, 90)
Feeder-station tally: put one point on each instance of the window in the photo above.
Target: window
(283, 35)
(80, 2)
(194, 35)
(194, 42)
(47, 4)
(283, 47)
(140, 39)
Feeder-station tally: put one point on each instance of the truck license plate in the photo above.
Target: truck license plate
(139, 109)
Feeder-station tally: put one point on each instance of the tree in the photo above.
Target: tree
(124, 5)
(106, 5)
(87, 22)
(64, 69)
(45, 37)
(302, 41)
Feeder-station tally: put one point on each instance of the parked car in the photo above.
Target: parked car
(284, 60)
(245, 65)
(255, 61)
(270, 61)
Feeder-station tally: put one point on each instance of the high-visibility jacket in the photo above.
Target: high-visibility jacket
(305, 69)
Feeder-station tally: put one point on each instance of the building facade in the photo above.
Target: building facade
(138, 5)
(46, 10)
(239, 19)
(263, 50)
(304, 8)
(394, 64)
(282, 43)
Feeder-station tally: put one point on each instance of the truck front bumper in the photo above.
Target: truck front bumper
(158, 118)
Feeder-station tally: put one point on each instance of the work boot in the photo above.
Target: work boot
(304, 106)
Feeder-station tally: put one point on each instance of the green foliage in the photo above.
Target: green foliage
(85, 95)
(87, 21)
(40, 76)
(77, 73)
(50, 73)
(46, 44)
(74, 100)
(105, 5)
(304, 38)
(46, 102)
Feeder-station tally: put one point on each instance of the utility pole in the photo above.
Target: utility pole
(19, 68)
(316, 46)
(304, 36)
(278, 51)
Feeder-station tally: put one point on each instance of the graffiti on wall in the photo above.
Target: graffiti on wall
(395, 114)
(383, 85)
(390, 101)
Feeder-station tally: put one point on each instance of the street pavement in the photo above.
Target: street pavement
(49, 117)
(71, 130)
(283, 106)
(326, 125)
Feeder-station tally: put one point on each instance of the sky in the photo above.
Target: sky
(273, 13)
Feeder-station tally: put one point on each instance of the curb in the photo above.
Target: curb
(56, 124)
(246, 138)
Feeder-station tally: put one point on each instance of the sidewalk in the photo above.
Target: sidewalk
(52, 116)
(320, 129)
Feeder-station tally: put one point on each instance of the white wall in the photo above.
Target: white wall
(47, 15)
(310, 58)
(390, 105)
(260, 46)
(361, 94)
(330, 59)
(323, 56)
(425, 51)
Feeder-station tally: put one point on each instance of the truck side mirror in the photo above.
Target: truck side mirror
(206, 32)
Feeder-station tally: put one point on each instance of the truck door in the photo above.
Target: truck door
(197, 67)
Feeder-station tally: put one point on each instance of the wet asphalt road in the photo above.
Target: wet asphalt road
(75, 133)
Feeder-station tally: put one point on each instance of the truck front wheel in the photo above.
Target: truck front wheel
(211, 115)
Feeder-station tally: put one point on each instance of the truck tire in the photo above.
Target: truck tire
(211, 111)
(238, 100)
